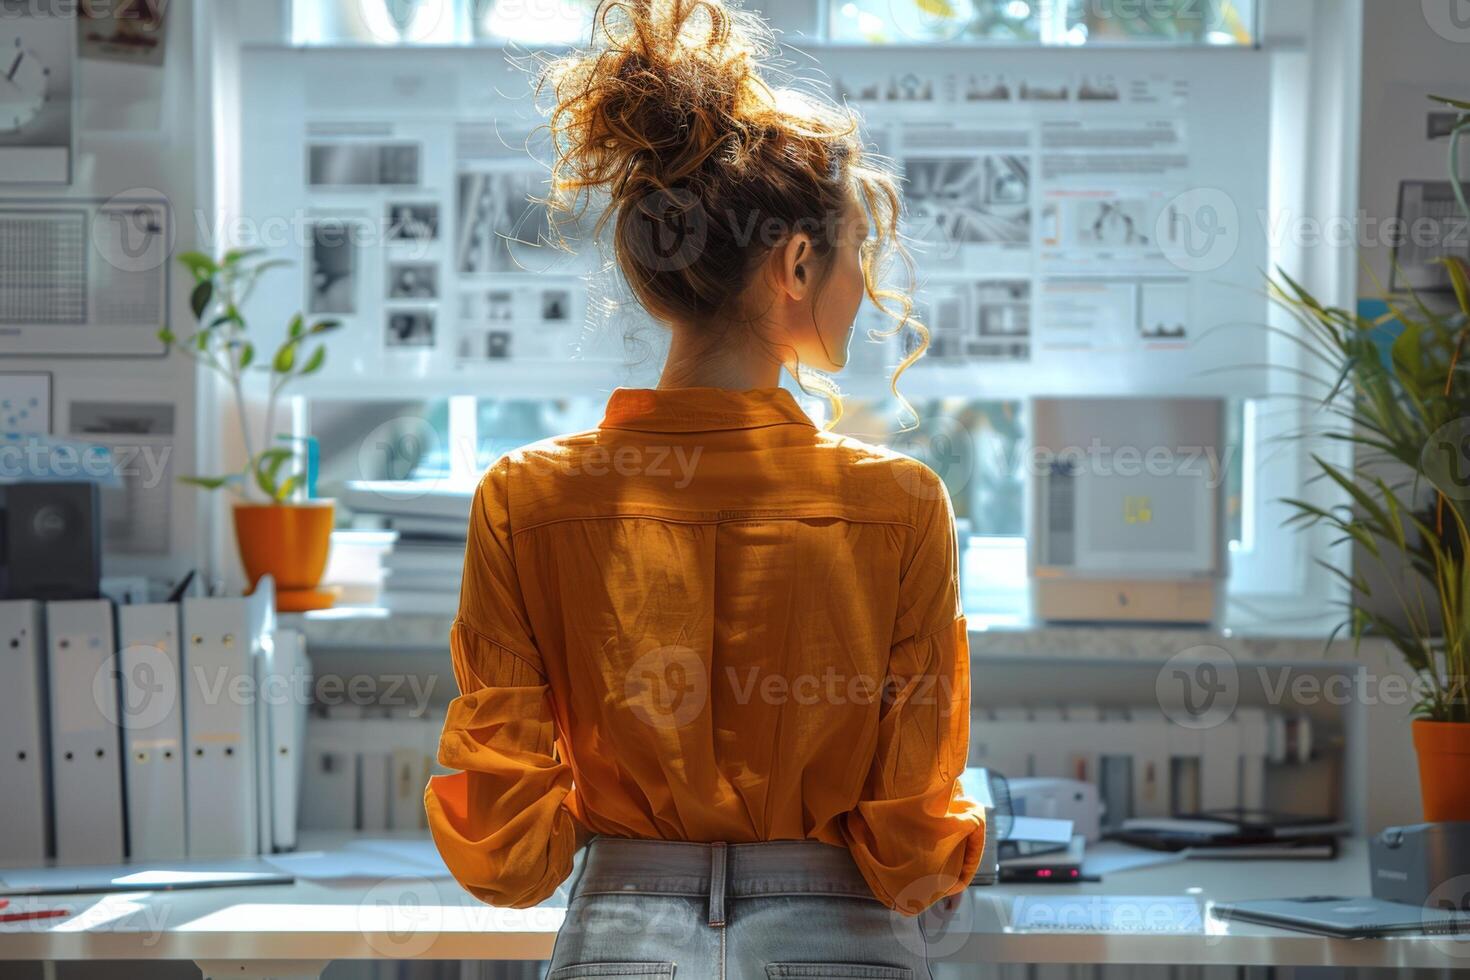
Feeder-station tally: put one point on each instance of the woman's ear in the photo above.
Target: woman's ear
(791, 267)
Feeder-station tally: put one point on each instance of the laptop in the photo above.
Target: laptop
(1347, 918)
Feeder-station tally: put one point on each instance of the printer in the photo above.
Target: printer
(1411, 864)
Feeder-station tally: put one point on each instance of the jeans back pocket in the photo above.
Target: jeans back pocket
(623, 971)
(836, 971)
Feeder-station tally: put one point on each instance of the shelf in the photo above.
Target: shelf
(373, 629)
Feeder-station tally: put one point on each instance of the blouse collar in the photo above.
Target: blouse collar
(701, 409)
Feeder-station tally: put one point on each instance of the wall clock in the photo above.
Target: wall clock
(24, 82)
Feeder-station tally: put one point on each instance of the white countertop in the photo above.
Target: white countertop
(411, 917)
(369, 629)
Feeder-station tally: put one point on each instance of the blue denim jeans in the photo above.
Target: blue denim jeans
(783, 910)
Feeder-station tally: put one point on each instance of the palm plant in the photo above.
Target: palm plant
(1406, 409)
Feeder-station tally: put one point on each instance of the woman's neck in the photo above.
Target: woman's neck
(695, 362)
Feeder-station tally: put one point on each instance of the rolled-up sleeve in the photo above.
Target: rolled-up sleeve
(914, 836)
(499, 822)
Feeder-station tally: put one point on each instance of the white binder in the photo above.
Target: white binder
(1253, 726)
(263, 663)
(1152, 772)
(1219, 783)
(1087, 734)
(85, 745)
(373, 782)
(1001, 742)
(223, 638)
(286, 700)
(331, 771)
(1048, 742)
(406, 805)
(153, 730)
(25, 812)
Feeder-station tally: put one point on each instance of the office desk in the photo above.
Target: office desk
(295, 930)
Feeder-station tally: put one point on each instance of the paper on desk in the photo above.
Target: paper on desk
(343, 865)
(1111, 857)
(1040, 830)
(1150, 914)
(141, 876)
(420, 852)
(365, 858)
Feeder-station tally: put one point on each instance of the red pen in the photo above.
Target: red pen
(34, 914)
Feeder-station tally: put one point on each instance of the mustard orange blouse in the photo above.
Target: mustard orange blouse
(707, 620)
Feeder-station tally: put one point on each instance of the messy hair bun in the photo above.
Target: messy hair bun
(666, 125)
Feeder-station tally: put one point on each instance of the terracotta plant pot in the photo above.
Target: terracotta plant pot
(1443, 748)
(290, 543)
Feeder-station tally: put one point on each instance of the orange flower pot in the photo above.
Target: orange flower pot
(290, 543)
(1443, 748)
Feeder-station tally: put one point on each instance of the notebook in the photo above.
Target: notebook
(1347, 918)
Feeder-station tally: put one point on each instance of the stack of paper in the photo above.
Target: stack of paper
(422, 572)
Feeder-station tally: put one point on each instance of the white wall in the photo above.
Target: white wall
(1405, 56)
(225, 27)
(136, 131)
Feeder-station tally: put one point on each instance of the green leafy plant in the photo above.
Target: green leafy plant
(221, 342)
(1405, 411)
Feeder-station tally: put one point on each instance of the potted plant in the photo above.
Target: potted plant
(278, 531)
(1400, 392)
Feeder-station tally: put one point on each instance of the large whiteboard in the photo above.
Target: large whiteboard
(1084, 221)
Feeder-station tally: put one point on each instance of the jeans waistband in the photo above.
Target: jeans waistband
(621, 866)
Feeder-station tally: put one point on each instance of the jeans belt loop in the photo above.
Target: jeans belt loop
(717, 864)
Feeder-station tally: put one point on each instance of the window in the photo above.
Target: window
(532, 22)
(506, 424)
(1050, 22)
(976, 447)
(379, 440)
(1026, 22)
